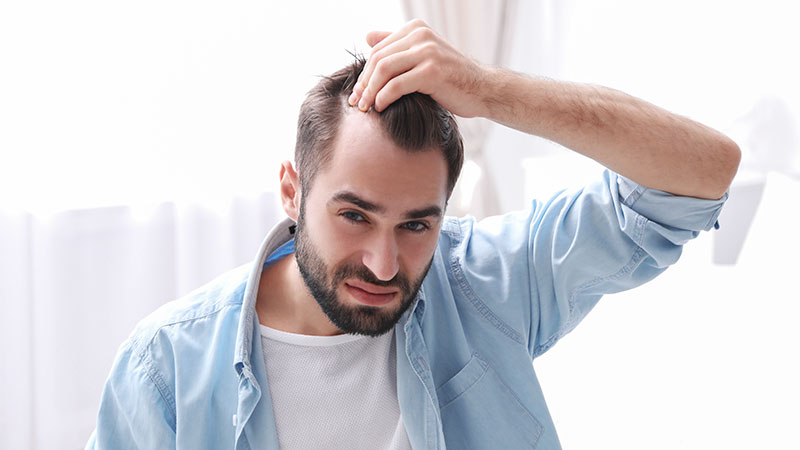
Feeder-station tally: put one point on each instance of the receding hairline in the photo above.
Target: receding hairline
(378, 124)
(414, 122)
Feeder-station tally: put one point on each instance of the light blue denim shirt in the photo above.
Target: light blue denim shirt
(500, 292)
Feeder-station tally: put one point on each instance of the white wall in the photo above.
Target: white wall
(108, 103)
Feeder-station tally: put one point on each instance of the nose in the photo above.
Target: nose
(381, 257)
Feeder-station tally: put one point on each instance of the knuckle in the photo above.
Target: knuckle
(381, 67)
(373, 53)
(426, 33)
(396, 88)
(429, 49)
(431, 71)
(421, 34)
(428, 69)
(375, 57)
(387, 90)
(417, 22)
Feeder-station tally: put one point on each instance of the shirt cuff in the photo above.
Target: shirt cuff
(674, 211)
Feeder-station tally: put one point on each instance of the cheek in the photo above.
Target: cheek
(418, 252)
(336, 240)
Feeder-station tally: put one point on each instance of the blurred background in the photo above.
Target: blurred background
(140, 145)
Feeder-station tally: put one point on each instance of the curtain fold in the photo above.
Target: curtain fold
(16, 361)
(74, 284)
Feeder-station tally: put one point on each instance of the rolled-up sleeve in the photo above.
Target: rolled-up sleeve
(556, 259)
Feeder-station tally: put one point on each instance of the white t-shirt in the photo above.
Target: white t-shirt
(334, 392)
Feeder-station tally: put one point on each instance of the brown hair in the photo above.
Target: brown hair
(414, 122)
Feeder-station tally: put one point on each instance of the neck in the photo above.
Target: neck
(284, 303)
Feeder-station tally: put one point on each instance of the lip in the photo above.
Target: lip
(371, 288)
(370, 298)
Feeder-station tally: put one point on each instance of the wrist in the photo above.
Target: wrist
(486, 91)
(499, 95)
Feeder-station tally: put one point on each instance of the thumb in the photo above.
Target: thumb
(373, 37)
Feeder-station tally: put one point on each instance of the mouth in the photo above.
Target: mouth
(370, 294)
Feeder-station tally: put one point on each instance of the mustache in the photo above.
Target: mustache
(362, 273)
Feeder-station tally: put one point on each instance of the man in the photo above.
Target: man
(371, 321)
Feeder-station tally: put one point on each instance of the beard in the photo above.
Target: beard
(322, 282)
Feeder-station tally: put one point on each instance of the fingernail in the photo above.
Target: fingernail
(362, 105)
(352, 99)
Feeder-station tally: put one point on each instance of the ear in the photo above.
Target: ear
(290, 190)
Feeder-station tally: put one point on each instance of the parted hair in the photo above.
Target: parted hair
(414, 122)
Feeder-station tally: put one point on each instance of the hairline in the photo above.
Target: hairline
(329, 150)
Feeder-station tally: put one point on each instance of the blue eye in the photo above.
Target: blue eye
(352, 216)
(415, 227)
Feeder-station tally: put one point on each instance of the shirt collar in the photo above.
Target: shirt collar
(280, 234)
(273, 248)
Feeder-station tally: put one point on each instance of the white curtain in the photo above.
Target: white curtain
(483, 30)
(74, 284)
(185, 105)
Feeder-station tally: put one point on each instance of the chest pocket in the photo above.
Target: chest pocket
(479, 411)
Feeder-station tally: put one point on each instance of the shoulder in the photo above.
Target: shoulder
(467, 238)
(172, 355)
(192, 316)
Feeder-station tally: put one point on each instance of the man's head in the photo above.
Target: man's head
(369, 196)
(415, 122)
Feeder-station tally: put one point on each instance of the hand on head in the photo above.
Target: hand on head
(416, 59)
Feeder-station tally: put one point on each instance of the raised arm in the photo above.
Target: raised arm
(634, 138)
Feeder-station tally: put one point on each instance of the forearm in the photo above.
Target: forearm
(636, 139)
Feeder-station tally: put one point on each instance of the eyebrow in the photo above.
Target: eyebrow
(350, 197)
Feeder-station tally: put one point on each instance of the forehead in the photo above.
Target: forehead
(366, 162)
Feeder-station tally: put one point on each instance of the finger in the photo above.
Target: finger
(381, 39)
(401, 33)
(366, 74)
(397, 87)
(373, 37)
(386, 69)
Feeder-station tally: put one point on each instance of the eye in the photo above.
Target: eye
(416, 227)
(352, 216)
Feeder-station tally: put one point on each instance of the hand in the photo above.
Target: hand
(416, 59)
